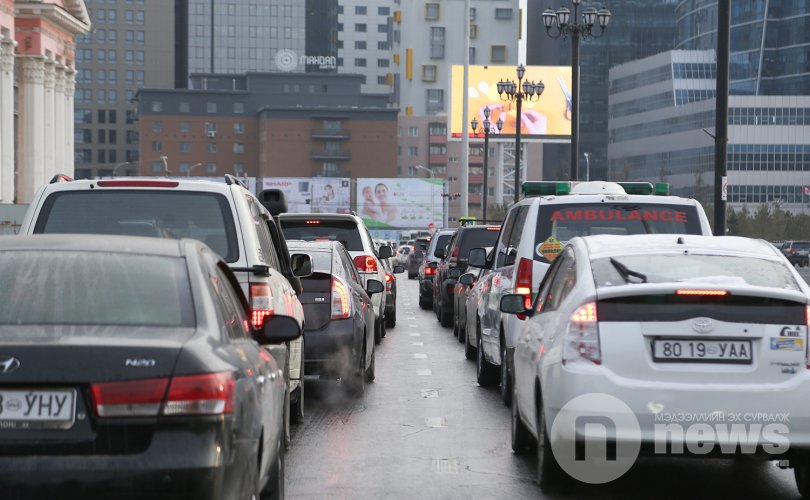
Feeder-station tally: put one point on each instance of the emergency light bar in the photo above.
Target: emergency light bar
(560, 188)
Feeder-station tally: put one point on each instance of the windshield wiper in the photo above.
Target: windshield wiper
(626, 273)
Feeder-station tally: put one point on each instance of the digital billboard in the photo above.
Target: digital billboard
(327, 195)
(546, 117)
(400, 203)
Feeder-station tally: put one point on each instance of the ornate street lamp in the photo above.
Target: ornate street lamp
(518, 92)
(560, 21)
(486, 129)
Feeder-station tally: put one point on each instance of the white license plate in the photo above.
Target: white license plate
(715, 351)
(37, 409)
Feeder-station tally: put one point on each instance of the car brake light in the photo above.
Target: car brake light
(340, 299)
(389, 278)
(138, 183)
(365, 263)
(456, 252)
(261, 303)
(791, 251)
(523, 283)
(313, 222)
(209, 394)
(582, 337)
(705, 293)
(131, 398)
(429, 271)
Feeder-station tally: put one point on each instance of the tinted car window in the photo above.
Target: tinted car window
(164, 214)
(474, 238)
(441, 241)
(803, 245)
(95, 288)
(345, 232)
(556, 224)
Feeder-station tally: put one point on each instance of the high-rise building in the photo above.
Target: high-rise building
(770, 43)
(365, 43)
(130, 47)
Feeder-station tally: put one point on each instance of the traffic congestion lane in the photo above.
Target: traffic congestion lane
(426, 428)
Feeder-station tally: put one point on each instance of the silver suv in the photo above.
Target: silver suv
(223, 215)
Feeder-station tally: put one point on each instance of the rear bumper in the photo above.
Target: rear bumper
(200, 462)
(333, 349)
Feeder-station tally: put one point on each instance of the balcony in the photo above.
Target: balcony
(331, 134)
(331, 155)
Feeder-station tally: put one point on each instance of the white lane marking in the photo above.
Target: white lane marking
(423, 372)
(420, 355)
(417, 343)
(415, 334)
(435, 422)
(430, 393)
(445, 465)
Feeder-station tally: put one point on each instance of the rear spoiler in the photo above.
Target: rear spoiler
(274, 200)
(634, 289)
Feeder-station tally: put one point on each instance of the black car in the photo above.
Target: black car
(453, 264)
(797, 252)
(339, 328)
(464, 284)
(130, 368)
(415, 259)
(391, 272)
(427, 269)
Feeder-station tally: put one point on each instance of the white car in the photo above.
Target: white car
(680, 344)
(402, 254)
(533, 234)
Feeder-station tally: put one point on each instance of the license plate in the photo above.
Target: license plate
(714, 351)
(37, 409)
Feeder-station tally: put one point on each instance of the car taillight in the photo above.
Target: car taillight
(389, 278)
(523, 283)
(365, 263)
(429, 271)
(582, 337)
(456, 252)
(791, 251)
(341, 305)
(207, 394)
(261, 303)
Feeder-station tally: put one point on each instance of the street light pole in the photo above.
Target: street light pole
(188, 172)
(511, 92)
(587, 166)
(165, 160)
(124, 164)
(487, 124)
(561, 20)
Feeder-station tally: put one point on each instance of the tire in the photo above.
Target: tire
(297, 404)
(370, 374)
(378, 330)
(505, 381)
(469, 351)
(522, 440)
(274, 489)
(423, 303)
(487, 373)
(549, 473)
(356, 380)
(383, 329)
(445, 318)
(391, 320)
(287, 437)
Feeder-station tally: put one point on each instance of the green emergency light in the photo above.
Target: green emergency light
(545, 188)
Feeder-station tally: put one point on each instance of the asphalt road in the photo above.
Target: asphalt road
(425, 429)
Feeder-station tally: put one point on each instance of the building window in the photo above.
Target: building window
(360, 28)
(503, 13)
(238, 108)
(383, 11)
(413, 150)
(432, 11)
(185, 147)
(360, 10)
(472, 13)
(360, 62)
(472, 55)
(413, 131)
(212, 147)
(437, 43)
(211, 107)
(429, 73)
(382, 28)
(157, 107)
(359, 45)
(157, 146)
(383, 63)
(238, 128)
(183, 168)
(184, 126)
(435, 100)
(238, 148)
(185, 107)
(473, 32)
(498, 53)
(157, 167)
(157, 126)
(211, 167)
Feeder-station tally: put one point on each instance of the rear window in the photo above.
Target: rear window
(345, 232)
(160, 214)
(476, 238)
(441, 241)
(695, 268)
(321, 258)
(556, 224)
(801, 245)
(93, 288)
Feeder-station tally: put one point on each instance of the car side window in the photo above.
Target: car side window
(219, 285)
(503, 240)
(517, 229)
(267, 252)
(346, 260)
(562, 284)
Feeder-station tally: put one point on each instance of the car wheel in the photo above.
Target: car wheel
(356, 381)
(274, 490)
(391, 319)
(378, 330)
(287, 408)
(469, 351)
(383, 330)
(370, 374)
(485, 370)
(297, 402)
(522, 440)
(445, 317)
(505, 384)
(423, 303)
(549, 473)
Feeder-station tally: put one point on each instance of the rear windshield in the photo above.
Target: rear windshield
(695, 268)
(556, 224)
(476, 238)
(441, 241)
(803, 245)
(160, 214)
(321, 258)
(93, 288)
(345, 232)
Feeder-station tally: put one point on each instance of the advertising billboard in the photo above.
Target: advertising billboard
(400, 203)
(327, 195)
(547, 117)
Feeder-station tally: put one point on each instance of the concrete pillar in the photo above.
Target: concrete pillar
(32, 127)
(49, 126)
(7, 190)
(59, 143)
(499, 176)
(70, 89)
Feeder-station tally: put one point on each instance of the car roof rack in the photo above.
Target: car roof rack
(60, 178)
(231, 180)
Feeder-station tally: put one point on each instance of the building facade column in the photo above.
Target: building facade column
(7, 134)
(49, 82)
(67, 119)
(59, 120)
(32, 127)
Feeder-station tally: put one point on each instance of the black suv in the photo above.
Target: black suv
(453, 264)
(797, 252)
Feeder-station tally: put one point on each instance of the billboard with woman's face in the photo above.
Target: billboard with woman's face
(326, 195)
(400, 203)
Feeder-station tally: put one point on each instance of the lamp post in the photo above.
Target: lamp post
(188, 172)
(561, 20)
(587, 166)
(124, 164)
(518, 92)
(165, 160)
(487, 124)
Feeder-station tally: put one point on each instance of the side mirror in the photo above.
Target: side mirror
(399, 269)
(467, 279)
(374, 286)
(478, 257)
(510, 258)
(301, 265)
(439, 253)
(514, 304)
(277, 329)
(385, 252)
(455, 272)
(274, 200)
